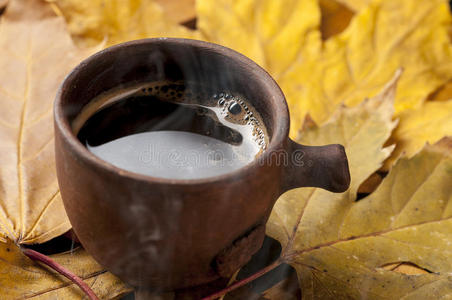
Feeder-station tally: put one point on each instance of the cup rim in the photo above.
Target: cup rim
(279, 133)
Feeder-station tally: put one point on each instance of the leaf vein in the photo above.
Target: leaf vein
(295, 228)
(41, 214)
(288, 256)
(33, 156)
(64, 285)
(19, 142)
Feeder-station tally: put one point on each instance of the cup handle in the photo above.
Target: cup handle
(316, 166)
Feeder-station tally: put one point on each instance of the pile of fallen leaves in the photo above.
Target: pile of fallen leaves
(335, 62)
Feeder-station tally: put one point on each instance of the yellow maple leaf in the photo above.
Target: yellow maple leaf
(427, 124)
(274, 34)
(340, 247)
(36, 54)
(356, 63)
(21, 278)
(115, 21)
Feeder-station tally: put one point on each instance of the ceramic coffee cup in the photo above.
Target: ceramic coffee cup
(173, 233)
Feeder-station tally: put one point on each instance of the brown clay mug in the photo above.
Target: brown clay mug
(173, 233)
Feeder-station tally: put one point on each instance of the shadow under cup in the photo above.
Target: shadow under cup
(166, 233)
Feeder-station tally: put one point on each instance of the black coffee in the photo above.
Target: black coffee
(167, 130)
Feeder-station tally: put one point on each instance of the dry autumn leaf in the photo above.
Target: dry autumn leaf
(341, 247)
(36, 54)
(356, 63)
(21, 278)
(274, 34)
(427, 124)
(115, 21)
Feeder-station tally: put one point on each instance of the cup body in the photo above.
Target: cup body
(158, 232)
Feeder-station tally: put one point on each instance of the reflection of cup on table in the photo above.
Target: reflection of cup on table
(219, 118)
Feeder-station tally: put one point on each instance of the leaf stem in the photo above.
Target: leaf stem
(231, 281)
(34, 255)
(244, 281)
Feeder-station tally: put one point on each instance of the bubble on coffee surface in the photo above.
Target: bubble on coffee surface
(233, 108)
(245, 133)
